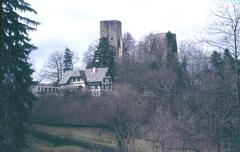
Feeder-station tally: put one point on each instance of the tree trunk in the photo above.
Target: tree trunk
(219, 140)
(6, 129)
(58, 72)
(121, 145)
(163, 148)
(236, 66)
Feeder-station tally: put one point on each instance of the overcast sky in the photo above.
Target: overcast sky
(75, 23)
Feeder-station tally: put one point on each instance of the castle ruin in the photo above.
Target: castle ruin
(166, 49)
(112, 30)
(162, 47)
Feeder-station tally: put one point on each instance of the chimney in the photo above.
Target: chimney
(93, 69)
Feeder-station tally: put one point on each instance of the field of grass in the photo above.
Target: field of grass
(93, 135)
(96, 136)
(44, 146)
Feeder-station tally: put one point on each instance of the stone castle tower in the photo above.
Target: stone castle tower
(112, 30)
(161, 49)
(169, 48)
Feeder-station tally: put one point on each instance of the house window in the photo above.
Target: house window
(78, 79)
(111, 38)
(96, 86)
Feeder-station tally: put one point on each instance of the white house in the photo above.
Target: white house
(95, 81)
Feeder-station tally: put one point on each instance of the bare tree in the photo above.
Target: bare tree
(53, 68)
(125, 114)
(152, 49)
(195, 58)
(224, 32)
(129, 47)
(88, 55)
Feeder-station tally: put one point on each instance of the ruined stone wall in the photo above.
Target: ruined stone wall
(161, 48)
(112, 30)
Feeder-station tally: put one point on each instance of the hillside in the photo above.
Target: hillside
(80, 139)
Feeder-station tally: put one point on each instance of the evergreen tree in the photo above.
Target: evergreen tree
(218, 63)
(182, 74)
(104, 56)
(228, 59)
(171, 41)
(67, 62)
(172, 49)
(15, 74)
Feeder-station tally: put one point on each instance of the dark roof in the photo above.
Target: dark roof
(89, 75)
(73, 73)
(96, 76)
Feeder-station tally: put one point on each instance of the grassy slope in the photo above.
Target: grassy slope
(44, 146)
(91, 135)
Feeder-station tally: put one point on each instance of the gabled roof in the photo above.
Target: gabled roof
(89, 75)
(73, 73)
(96, 76)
